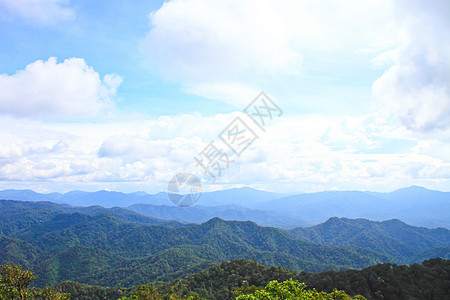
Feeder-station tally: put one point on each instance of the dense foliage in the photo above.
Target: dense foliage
(104, 250)
(104, 247)
(227, 280)
(291, 289)
(431, 280)
(405, 243)
(15, 284)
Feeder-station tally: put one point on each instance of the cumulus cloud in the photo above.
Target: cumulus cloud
(46, 12)
(211, 45)
(417, 86)
(203, 38)
(61, 90)
(295, 154)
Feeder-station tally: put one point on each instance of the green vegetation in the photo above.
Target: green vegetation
(407, 244)
(291, 289)
(15, 284)
(245, 279)
(103, 250)
(91, 255)
(431, 280)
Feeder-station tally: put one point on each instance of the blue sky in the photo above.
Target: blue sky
(122, 95)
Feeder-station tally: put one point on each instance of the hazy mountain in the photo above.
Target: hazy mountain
(419, 206)
(239, 196)
(414, 205)
(393, 237)
(200, 214)
(29, 195)
(244, 196)
(106, 199)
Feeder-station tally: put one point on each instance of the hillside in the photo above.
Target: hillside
(395, 238)
(104, 250)
(200, 214)
(429, 280)
(17, 215)
(115, 246)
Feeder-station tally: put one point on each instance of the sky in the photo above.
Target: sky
(124, 95)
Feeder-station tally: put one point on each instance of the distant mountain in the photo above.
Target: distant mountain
(18, 215)
(158, 206)
(419, 206)
(29, 195)
(200, 214)
(238, 196)
(244, 196)
(414, 205)
(395, 238)
(106, 199)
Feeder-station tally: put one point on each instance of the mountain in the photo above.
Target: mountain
(244, 196)
(238, 196)
(162, 208)
(106, 199)
(414, 205)
(29, 195)
(18, 215)
(110, 199)
(393, 237)
(419, 206)
(200, 214)
(111, 247)
(104, 250)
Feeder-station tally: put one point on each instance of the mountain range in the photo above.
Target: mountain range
(116, 246)
(414, 205)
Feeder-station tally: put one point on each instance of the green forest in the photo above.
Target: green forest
(246, 279)
(98, 253)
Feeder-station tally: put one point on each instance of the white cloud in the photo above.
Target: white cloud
(295, 154)
(209, 45)
(417, 87)
(221, 38)
(59, 90)
(46, 12)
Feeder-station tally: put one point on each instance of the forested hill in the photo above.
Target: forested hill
(430, 280)
(105, 251)
(116, 247)
(406, 243)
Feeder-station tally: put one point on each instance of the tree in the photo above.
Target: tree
(14, 282)
(49, 293)
(292, 289)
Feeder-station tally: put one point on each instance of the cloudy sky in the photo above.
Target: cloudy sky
(123, 95)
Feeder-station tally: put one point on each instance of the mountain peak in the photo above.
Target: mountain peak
(413, 188)
(215, 220)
